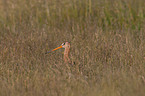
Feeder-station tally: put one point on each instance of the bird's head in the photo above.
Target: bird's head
(63, 45)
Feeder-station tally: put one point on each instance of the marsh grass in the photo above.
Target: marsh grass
(107, 45)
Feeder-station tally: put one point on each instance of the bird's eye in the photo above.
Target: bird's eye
(63, 44)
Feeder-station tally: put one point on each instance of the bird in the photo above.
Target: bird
(66, 46)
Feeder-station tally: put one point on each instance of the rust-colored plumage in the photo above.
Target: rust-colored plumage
(65, 45)
(66, 53)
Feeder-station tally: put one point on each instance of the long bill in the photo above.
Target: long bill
(54, 49)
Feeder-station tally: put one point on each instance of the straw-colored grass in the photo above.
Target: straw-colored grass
(107, 45)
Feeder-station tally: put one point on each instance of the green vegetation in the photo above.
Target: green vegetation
(107, 45)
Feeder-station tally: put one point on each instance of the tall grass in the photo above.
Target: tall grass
(107, 45)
